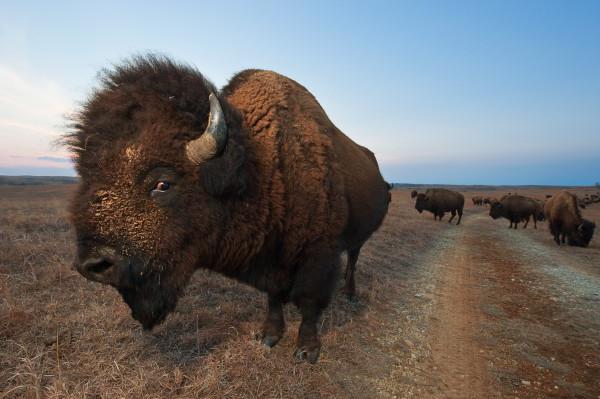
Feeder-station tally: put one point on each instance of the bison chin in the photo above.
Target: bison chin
(150, 303)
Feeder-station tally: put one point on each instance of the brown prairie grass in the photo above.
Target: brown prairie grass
(62, 336)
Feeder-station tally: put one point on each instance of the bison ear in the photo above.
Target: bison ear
(226, 175)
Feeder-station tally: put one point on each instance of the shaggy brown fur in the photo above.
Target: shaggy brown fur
(439, 201)
(288, 194)
(565, 221)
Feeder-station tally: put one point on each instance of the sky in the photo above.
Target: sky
(456, 92)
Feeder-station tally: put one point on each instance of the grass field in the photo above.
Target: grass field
(63, 336)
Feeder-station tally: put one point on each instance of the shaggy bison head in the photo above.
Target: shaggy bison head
(582, 236)
(158, 153)
(496, 210)
(421, 202)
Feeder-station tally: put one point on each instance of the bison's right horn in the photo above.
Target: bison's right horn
(214, 138)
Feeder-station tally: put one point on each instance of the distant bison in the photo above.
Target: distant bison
(517, 208)
(489, 200)
(477, 200)
(565, 221)
(439, 201)
(254, 182)
(538, 215)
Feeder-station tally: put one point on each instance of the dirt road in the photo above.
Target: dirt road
(501, 314)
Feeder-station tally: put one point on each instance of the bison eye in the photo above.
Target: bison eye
(162, 186)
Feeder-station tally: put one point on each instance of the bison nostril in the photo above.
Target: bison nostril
(97, 265)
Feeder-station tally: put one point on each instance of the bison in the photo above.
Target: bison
(517, 208)
(439, 201)
(477, 200)
(565, 221)
(489, 200)
(413, 193)
(538, 214)
(253, 182)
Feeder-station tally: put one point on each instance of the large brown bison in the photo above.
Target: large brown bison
(254, 182)
(517, 208)
(439, 201)
(564, 220)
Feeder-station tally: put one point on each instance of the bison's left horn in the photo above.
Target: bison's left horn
(214, 138)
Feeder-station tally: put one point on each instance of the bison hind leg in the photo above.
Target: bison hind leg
(453, 213)
(350, 287)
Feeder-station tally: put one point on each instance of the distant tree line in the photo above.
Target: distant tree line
(36, 180)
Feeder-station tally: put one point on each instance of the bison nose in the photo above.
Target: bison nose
(99, 269)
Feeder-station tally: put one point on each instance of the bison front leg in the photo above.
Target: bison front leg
(311, 293)
(274, 325)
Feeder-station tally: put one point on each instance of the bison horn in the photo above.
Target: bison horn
(214, 138)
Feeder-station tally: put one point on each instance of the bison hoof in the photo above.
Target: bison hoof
(310, 355)
(270, 340)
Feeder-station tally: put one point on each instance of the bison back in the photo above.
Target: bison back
(445, 200)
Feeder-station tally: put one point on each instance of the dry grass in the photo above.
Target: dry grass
(63, 336)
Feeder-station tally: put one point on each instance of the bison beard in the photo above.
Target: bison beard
(150, 302)
(255, 183)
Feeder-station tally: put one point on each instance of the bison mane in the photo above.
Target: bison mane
(114, 109)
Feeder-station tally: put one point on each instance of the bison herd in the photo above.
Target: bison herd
(562, 211)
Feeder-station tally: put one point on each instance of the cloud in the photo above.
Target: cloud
(54, 159)
(32, 111)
